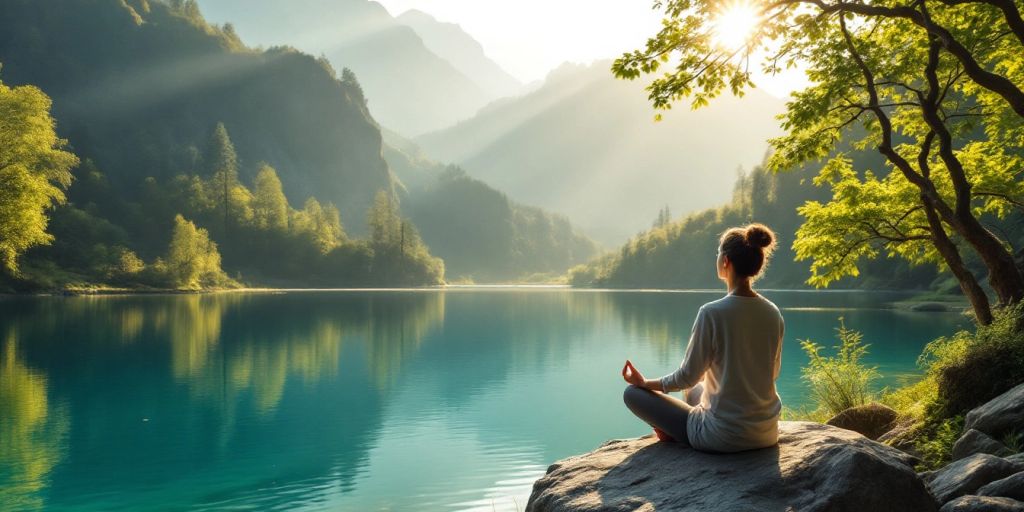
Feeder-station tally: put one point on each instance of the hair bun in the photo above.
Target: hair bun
(758, 235)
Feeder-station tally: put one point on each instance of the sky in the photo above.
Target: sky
(529, 38)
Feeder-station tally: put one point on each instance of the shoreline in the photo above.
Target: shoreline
(916, 300)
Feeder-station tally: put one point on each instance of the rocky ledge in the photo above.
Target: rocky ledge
(814, 467)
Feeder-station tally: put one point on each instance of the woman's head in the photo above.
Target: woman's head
(745, 250)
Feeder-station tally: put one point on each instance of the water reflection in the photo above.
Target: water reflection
(349, 400)
(32, 430)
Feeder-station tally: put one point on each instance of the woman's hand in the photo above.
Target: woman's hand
(632, 375)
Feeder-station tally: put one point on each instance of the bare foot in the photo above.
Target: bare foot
(662, 436)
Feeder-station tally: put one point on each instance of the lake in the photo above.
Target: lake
(452, 399)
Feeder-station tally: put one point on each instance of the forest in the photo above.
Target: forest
(153, 149)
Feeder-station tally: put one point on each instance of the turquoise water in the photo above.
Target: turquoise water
(358, 400)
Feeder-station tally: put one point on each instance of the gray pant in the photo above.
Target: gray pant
(661, 410)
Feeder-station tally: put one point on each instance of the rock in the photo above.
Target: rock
(1009, 487)
(1017, 458)
(901, 437)
(974, 441)
(982, 504)
(999, 416)
(814, 467)
(968, 474)
(871, 420)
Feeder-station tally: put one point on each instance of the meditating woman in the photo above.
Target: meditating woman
(732, 361)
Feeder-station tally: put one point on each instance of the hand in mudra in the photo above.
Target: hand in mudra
(632, 375)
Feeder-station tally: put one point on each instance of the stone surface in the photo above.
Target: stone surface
(902, 437)
(814, 467)
(1017, 458)
(975, 441)
(871, 420)
(999, 416)
(967, 475)
(982, 504)
(1009, 487)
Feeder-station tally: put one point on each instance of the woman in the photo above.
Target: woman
(731, 362)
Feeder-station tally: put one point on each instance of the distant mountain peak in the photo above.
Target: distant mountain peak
(452, 43)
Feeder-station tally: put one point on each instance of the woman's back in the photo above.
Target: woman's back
(739, 386)
(740, 404)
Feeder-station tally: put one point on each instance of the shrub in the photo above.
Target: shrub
(973, 368)
(961, 372)
(841, 381)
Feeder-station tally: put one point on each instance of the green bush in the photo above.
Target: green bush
(961, 372)
(839, 382)
(973, 368)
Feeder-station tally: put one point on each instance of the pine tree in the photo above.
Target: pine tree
(222, 163)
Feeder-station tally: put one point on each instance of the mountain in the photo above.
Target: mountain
(139, 85)
(410, 89)
(586, 145)
(480, 233)
(156, 102)
(453, 44)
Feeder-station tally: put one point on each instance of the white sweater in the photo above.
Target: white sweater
(736, 349)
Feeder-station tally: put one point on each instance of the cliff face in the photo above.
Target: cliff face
(813, 468)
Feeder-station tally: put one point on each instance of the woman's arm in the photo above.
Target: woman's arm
(699, 353)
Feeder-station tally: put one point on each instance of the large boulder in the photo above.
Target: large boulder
(871, 420)
(982, 504)
(814, 467)
(975, 441)
(1001, 415)
(1009, 487)
(967, 475)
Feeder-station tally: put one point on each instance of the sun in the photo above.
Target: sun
(734, 23)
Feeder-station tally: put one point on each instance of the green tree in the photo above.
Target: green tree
(348, 78)
(222, 165)
(193, 261)
(270, 206)
(320, 224)
(34, 171)
(944, 110)
(385, 222)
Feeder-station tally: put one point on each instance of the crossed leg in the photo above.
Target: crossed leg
(659, 410)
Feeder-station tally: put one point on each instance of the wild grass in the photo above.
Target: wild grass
(840, 381)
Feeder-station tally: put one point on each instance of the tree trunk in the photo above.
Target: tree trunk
(968, 283)
(1003, 274)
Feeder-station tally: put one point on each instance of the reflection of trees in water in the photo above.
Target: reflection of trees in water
(32, 430)
(307, 364)
(663, 319)
(394, 327)
(224, 346)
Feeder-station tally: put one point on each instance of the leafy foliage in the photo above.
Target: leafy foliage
(193, 262)
(945, 110)
(34, 171)
(961, 372)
